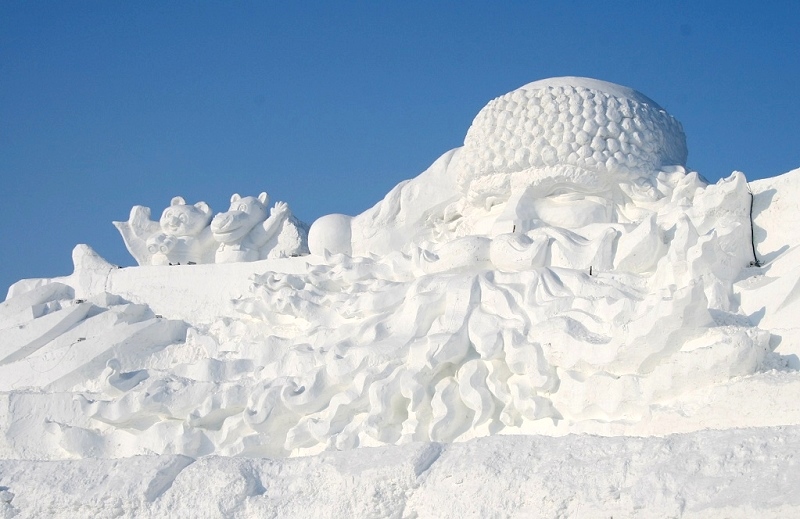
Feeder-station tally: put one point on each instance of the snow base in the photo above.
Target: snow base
(731, 473)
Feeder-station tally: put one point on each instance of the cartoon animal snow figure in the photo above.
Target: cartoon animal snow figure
(245, 233)
(181, 236)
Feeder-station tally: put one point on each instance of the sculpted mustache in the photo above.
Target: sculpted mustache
(613, 246)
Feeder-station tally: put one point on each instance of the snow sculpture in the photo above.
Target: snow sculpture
(588, 282)
(330, 233)
(186, 234)
(182, 235)
(245, 233)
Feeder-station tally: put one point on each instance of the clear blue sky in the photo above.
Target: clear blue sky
(328, 105)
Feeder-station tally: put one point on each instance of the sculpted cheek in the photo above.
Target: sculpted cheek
(572, 214)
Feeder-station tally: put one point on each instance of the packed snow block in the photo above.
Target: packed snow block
(19, 342)
(771, 299)
(36, 288)
(734, 473)
(91, 272)
(83, 351)
(34, 410)
(374, 484)
(6, 451)
(90, 487)
(174, 291)
(776, 214)
(89, 277)
(738, 473)
(32, 303)
(38, 295)
(767, 399)
(28, 314)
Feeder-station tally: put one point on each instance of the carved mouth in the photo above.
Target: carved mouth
(228, 235)
(226, 222)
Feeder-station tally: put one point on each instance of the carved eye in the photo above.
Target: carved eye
(182, 218)
(565, 195)
(242, 208)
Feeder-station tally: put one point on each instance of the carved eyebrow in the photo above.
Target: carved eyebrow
(566, 189)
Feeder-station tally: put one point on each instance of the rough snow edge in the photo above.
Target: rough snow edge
(731, 473)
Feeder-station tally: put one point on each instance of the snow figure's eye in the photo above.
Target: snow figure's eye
(182, 218)
(566, 195)
(242, 208)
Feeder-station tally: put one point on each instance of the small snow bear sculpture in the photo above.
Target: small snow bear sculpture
(185, 236)
(182, 235)
(245, 233)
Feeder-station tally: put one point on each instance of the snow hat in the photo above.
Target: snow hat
(568, 129)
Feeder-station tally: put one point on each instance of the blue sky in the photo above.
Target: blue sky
(328, 105)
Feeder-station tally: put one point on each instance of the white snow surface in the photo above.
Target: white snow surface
(740, 473)
(534, 326)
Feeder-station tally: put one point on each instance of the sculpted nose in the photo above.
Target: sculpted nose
(221, 221)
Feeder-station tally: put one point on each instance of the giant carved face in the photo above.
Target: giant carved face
(557, 173)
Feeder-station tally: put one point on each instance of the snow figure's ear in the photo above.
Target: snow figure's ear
(264, 198)
(178, 200)
(235, 198)
(203, 207)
